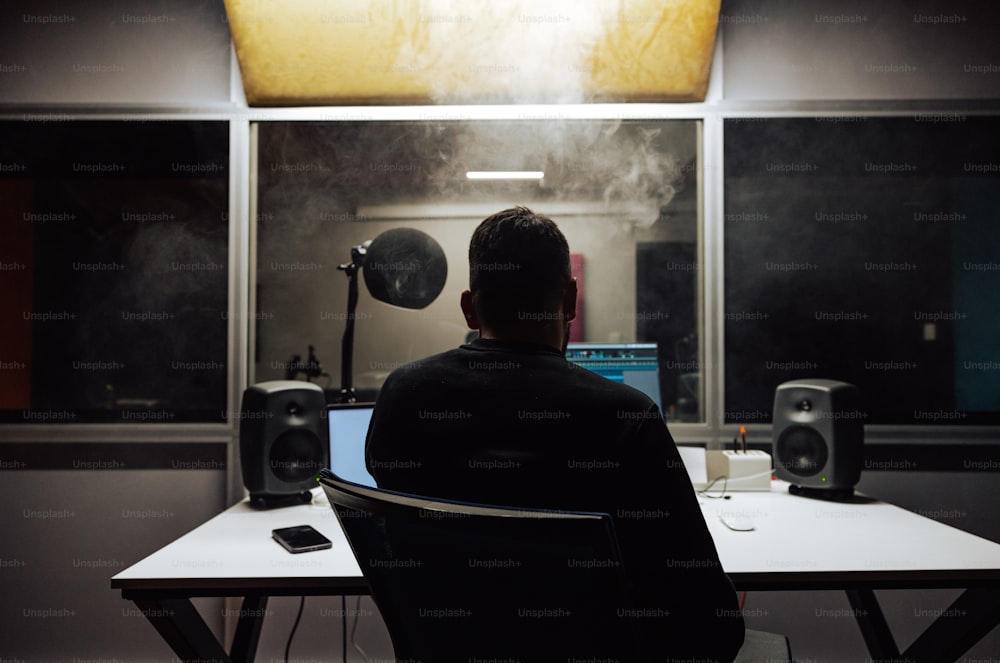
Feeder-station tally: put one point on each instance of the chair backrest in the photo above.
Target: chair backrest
(465, 582)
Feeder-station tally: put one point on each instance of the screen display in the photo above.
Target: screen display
(348, 429)
(634, 364)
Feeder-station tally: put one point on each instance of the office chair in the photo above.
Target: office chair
(459, 582)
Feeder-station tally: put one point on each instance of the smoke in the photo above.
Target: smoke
(315, 174)
(631, 170)
(510, 52)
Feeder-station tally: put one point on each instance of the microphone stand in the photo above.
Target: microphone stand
(347, 344)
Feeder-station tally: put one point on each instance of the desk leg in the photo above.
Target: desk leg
(180, 625)
(248, 628)
(973, 614)
(871, 621)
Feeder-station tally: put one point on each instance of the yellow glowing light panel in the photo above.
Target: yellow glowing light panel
(322, 52)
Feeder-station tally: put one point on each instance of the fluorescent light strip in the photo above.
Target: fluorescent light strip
(431, 210)
(505, 175)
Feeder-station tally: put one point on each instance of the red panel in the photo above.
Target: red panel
(577, 329)
(16, 293)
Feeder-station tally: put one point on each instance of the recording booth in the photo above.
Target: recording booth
(782, 223)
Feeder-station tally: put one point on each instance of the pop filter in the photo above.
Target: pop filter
(405, 267)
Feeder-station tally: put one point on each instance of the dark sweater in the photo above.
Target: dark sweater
(515, 424)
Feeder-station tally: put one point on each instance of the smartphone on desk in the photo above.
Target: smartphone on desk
(301, 538)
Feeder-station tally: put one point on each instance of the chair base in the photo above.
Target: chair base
(764, 647)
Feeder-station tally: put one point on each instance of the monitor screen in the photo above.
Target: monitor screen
(348, 429)
(634, 364)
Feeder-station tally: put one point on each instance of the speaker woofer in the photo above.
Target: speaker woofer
(803, 450)
(294, 456)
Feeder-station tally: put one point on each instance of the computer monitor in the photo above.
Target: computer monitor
(348, 425)
(634, 364)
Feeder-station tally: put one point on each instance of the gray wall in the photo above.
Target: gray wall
(68, 529)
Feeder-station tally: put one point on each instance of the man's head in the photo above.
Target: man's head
(520, 282)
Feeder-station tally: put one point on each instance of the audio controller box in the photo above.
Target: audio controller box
(743, 470)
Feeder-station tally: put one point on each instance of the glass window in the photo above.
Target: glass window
(864, 249)
(625, 193)
(113, 271)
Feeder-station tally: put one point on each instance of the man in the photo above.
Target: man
(507, 420)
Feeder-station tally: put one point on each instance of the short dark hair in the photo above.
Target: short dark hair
(518, 266)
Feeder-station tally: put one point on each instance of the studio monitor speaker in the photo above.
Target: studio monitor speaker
(284, 441)
(818, 437)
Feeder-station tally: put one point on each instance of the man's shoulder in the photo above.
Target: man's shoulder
(542, 376)
(419, 368)
(470, 356)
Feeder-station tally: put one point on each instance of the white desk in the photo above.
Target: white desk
(233, 554)
(798, 544)
(803, 543)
